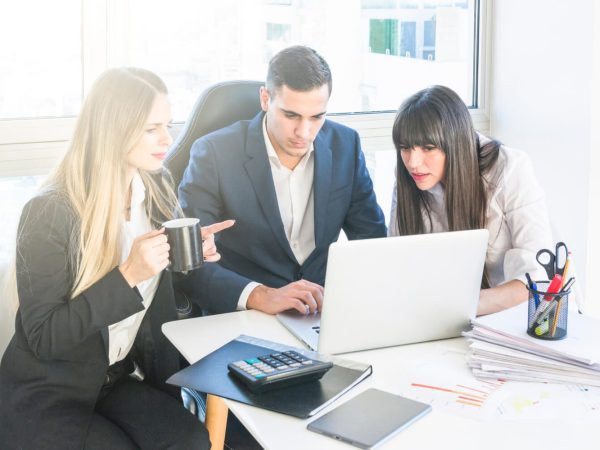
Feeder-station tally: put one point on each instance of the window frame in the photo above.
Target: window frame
(33, 146)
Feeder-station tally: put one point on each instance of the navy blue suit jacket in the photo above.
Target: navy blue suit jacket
(229, 177)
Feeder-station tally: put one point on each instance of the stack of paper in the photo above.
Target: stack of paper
(501, 348)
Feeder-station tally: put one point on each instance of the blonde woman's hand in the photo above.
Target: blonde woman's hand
(148, 257)
(209, 247)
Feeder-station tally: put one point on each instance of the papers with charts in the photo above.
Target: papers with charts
(443, 380)
(501, 348)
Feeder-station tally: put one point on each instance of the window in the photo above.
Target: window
(408, 37)
(383, 36)
(278, 32)
(40, 67)
(380, 51)
(385, 50)
(279, 36)
(417, 44)
(383, 4)
(429, 39)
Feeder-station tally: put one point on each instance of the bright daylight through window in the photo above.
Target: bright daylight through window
(380, 52)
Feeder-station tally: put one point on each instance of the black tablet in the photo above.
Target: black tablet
(370, 418)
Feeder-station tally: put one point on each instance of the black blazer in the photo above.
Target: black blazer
(56, 362)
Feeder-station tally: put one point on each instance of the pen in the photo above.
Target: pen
(542, 328)
(566, 287)
(548, 309)
(533, 289)
(554, 287)
(546, 312)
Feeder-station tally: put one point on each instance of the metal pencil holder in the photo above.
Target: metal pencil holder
(547, 312)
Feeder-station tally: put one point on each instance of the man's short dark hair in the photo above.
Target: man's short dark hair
(299, 68)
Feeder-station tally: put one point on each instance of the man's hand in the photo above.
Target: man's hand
(304, 296)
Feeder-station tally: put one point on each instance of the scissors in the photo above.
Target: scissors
(555, 264)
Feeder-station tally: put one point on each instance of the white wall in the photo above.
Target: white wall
(593, 259)
(541, 101)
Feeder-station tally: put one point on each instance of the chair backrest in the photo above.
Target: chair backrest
(218, 106)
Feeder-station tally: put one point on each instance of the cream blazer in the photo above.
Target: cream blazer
(517, 218)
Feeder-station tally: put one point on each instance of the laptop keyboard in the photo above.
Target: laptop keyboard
(317, 329)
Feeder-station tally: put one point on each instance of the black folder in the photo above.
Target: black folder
(210, 375)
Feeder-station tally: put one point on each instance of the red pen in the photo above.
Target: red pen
(554, 287)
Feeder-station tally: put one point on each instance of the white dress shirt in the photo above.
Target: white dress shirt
(122, 334)
(517, 218)
(295, 198)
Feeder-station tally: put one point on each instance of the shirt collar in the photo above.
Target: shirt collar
(272, 154)
(138, 190)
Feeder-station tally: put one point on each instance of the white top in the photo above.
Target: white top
(122, 334)
(517, 218)
(295, 198)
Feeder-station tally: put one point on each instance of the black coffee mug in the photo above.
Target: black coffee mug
(183, 236)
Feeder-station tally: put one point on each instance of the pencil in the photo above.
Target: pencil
(557, 312)
(566, 269)
(555, 321)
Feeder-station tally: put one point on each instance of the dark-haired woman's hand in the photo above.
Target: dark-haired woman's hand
(148, 257)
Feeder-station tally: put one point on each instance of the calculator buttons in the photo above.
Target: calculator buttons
(277, 369)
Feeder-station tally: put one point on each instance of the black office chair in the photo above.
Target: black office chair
(218, 106)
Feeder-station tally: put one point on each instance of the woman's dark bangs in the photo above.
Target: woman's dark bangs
(418, 126)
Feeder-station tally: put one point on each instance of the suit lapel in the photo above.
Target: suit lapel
(259, 172)
(322, 185)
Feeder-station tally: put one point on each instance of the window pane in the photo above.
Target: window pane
(379, 51)
(433, 45)
(40, 61)
(384, 4)
(383, 36)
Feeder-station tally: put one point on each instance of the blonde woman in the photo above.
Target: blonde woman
(92, 288)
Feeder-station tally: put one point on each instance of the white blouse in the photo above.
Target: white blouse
(121, 335)
(517, 218)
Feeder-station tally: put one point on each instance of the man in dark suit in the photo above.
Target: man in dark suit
(292, 180)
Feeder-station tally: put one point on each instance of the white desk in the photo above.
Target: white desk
(195, 338)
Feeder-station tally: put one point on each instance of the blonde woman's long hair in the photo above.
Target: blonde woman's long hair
(92, 174)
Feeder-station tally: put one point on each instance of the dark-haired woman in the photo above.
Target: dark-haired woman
(451, 178)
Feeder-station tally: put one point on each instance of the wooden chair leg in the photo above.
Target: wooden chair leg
(216, 421)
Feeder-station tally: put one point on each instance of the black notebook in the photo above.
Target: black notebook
(210, 375)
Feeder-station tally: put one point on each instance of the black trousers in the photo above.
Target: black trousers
(131, 414)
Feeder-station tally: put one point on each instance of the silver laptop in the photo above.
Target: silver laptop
(394, 291)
